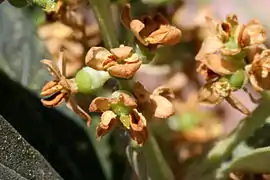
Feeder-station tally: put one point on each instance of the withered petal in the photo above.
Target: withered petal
(207, 96)
(52, 68)
(128, 100)
(161, 107)
(122, 52)
(138, 130)
(126, 15)
(164, 91)
(160, 19)
(108, 120)
(100, 104)
(50, 88)
(165, 34)
(136, 26)
(56, 101)
(125, 71)
(72, 104)
(96, 56)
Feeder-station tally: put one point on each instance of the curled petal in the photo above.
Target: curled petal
(122, 52)
(166, 34)
(161, 107)
(96, 56)
(136, 27)
(125, 71)
(108, 120)
(126, 15)
(164, 91)
(254, 33)
(100, 104)
(52, 68)
(138, 130)
(71, 104)
(128, 100)
(50, 88)
(55, 100)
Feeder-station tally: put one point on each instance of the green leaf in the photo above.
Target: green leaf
(18, 3)
(256, 161)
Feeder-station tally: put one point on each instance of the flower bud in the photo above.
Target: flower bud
(89, 80)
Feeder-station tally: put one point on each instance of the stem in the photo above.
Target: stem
(157, 168)
(103, 15)
(224, 148)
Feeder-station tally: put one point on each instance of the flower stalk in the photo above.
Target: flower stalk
(157, 168)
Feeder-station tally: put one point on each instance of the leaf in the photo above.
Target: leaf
(256, 161)
(18, 3)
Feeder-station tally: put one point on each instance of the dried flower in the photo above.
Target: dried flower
(121, 107)
(215, 91)
(259, 71)
(119, 62)
(157, 103)
(61, 89)
(151, 31)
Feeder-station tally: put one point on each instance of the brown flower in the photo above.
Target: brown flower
(121, 107)
(259, 71)
(215, 91)
(157, 103)
(223, 51)
(151, 31)
(119, 62)
(61, 89)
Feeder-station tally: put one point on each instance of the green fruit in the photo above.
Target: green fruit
(120, 109)
(237, 79)
(84, 82)
(18, 3)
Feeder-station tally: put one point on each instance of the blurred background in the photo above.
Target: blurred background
(28, 35)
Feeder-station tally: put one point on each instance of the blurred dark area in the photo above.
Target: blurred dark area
(53, 134)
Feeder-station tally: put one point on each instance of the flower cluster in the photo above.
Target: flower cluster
(231, 56)
(131, 107)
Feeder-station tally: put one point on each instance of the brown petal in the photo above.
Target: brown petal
(166, 34)
(58, 98)
(122, 52)
(218, 65)
(72, 104)
(125, 71)
(138, 130)
(161, 107)
(254, 33)
(164, 91)
(99, 104)
(208, 96)
(128, 100)
(141, 94)
(108, 120)
(210, 45)
(49, 88)
(52, 68)
(96, 56)
(160, 19)
(136, 27)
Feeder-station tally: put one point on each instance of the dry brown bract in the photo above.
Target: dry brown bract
(259, 71)
(121, 108)
(223, 50)
(61, 89)
(157, 103)
(151, 31)
(215, 91)
(119, 62)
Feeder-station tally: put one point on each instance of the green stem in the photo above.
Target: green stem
(224, 148)
(103, 15)
(157, 168)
